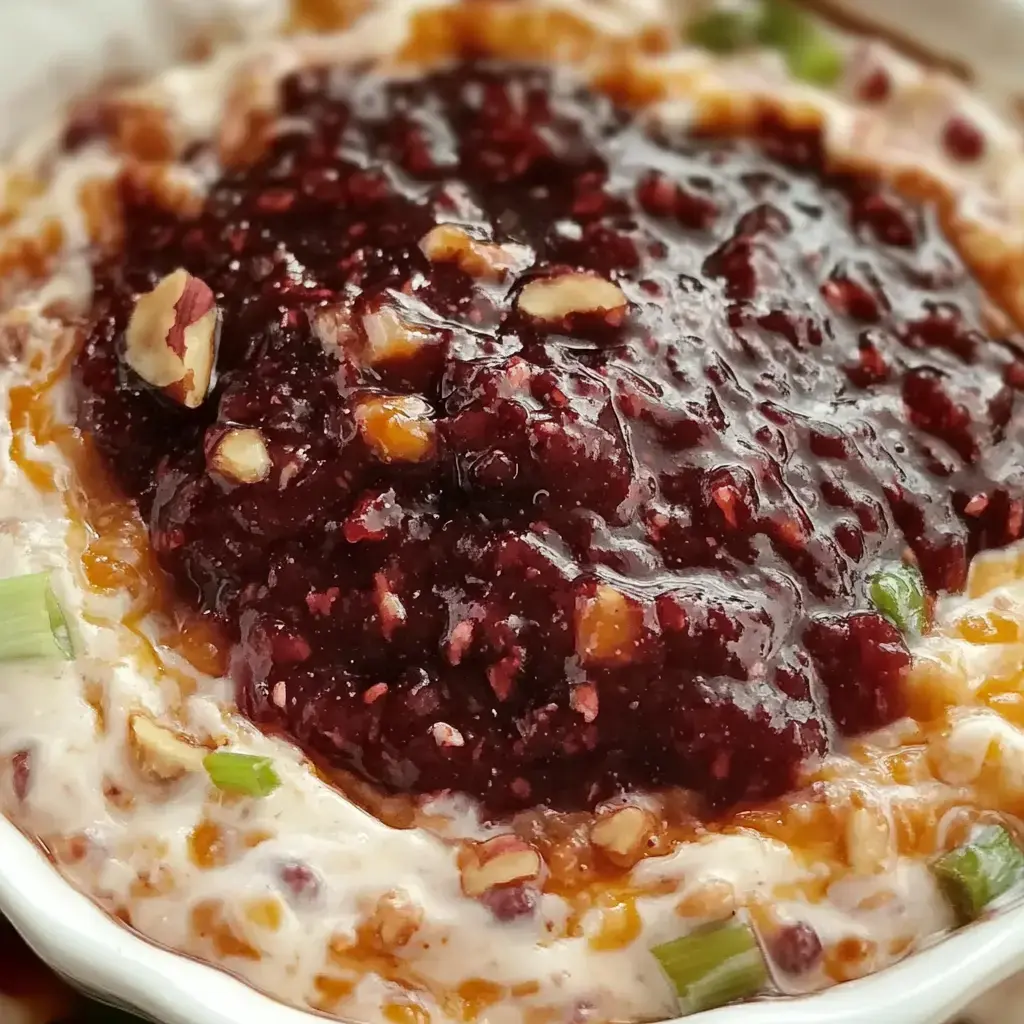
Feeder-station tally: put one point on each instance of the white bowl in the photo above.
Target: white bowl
(50, 51)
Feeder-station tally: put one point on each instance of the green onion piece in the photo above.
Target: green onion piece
(714, 965)
(32, 624)
(898, 593)
(724, 31)
(974, 874)
(810, 54)
(816, 61)
(241, 773)
(783, 24)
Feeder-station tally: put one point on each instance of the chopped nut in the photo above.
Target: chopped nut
(397, 427)
(504, 860)
(248, 114)
(389, 337)
(976, 505)
(622, 835)
(460, 640)
(448, 243)
(502, 674)
(171, 338)
(389, 606)
(867, 841)
(162, 752)
(374, 693)
(333, 328)
(583, 699)
(607, 626)
(446, 735)
(392, 923)
(241, 455)
(555, 298)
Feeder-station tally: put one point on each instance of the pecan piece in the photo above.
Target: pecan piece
(171, 338)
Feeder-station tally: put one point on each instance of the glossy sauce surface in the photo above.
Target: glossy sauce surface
(628, 546)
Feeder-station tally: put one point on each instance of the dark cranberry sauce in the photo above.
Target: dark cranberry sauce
(619, 546)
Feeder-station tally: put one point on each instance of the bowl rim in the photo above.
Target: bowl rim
(99, 954)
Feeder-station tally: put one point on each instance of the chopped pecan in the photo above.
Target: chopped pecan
(171, 338)
(504, 860)
(552, 299)
(162, 752)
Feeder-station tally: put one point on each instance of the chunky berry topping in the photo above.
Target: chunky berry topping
(543, 457)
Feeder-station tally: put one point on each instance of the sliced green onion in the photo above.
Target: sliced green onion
(724, 31)
(810, 54)
(898, 593)
(974, 874)
(241, 773)
(783, 24)
(714, 965)
(816, 61)
(32, 624)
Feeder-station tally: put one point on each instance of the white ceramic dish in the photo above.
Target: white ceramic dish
(96, 953)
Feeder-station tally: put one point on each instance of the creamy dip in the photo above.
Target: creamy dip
(366, 915)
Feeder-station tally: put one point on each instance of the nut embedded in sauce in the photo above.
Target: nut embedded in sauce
(171, 338)
(241, 455)
(448, 243)
(392, 922)
(390, 337)
(499, 862)
(554, 299)
(622, 835)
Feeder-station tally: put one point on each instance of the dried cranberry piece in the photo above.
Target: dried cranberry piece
(664, 198)
(931, 408)
(944, 328)
(850, 297)
(300, 881)
(875, 87)
(511, 902)
(963, 139)
(870, 367)
(733, 262)
(796, 948)
(885, 218)
(1015, 375)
